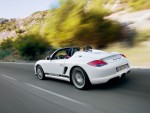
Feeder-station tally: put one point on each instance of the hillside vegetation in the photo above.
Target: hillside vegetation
(80, 23)
(134, 5)
(138, 4)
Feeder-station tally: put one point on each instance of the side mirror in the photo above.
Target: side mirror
(47, 58)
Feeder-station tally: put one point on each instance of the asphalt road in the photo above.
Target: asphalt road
(22, 92)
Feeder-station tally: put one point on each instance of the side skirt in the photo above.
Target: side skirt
(57, 76)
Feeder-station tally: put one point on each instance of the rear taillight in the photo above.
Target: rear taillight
(97, 63)
(123, 55)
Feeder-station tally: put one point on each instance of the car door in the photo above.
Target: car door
(55, 66)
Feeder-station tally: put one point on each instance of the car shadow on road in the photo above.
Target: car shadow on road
(113, 84)
(134, 77)
(58, 81)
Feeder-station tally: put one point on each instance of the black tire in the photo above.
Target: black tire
(80, 79)
(40, 73)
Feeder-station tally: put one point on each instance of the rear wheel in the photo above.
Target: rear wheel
(40, 73)
(79, 78)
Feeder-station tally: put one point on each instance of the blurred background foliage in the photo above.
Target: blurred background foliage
(73, 23)
(134, 4)
(139, 4)
(31, 46)
(6, 47)
(78, 24)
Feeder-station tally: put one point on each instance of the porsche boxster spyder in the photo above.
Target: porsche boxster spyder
(82, 67)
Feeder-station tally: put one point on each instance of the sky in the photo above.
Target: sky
(23, 8)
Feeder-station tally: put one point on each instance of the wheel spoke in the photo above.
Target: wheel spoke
(78, 79)
(39, 73)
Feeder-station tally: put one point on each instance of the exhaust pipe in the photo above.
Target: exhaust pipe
(123, 75)
(128, 72)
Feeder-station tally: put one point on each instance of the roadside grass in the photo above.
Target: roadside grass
(138, 55)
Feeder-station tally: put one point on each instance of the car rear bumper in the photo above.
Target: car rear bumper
(107, 78)
(98, 75)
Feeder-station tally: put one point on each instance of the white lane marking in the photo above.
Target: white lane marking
(8, 77)
(58, 95)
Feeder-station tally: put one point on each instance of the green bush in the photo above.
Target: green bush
(77, 25)
(4, 53)
(6, 47)
(142, 36)
(139, 4)
(31, 45)
(7, 43)
(19, 31)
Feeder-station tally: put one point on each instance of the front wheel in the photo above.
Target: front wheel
(79, 78)
(40, 73)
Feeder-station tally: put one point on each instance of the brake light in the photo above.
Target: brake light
(123, 55)
(97, 63)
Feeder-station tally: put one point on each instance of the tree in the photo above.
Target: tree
(31, 45)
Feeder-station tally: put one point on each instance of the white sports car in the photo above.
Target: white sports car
(82, 68)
